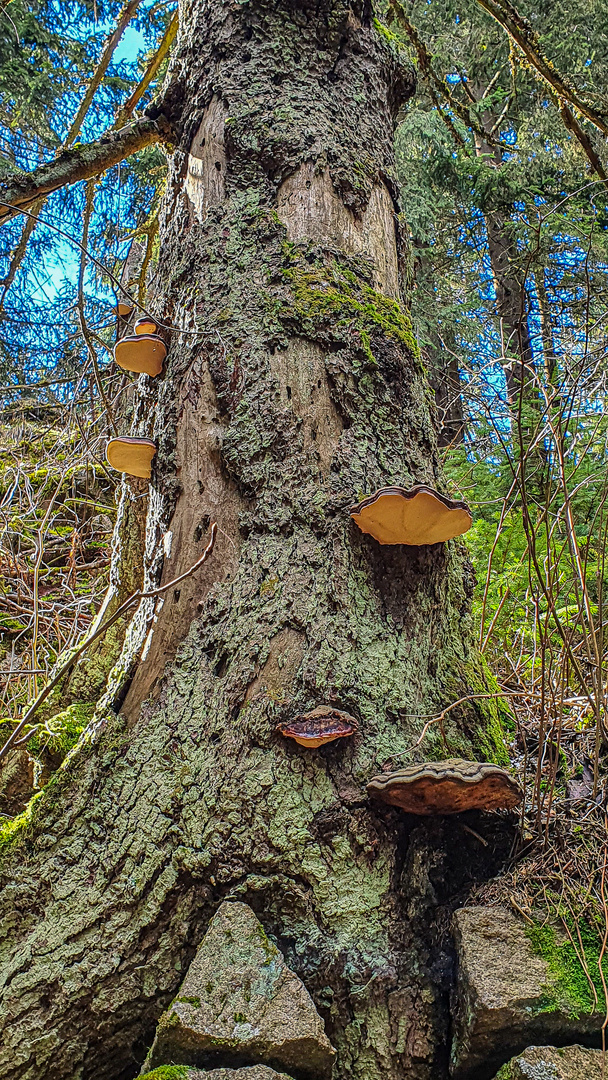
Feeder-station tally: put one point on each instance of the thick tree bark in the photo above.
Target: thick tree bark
(293, 387)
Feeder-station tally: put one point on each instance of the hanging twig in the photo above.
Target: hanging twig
(88, 210)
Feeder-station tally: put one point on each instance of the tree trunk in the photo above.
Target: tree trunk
(509, 285)
(292, 388)
(444, 378)
(525, 402)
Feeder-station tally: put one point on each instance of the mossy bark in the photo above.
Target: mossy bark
(293, 387)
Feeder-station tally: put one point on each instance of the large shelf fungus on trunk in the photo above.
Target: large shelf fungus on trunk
(142, 352)
(447, 787)
(323, 725)
(133, 456)
(418, 515)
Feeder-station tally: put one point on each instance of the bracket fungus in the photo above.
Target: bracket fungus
(145, 325)
(133, 456)
(447, 787)
(142, 352)
(323, 725)
(123, 308)
(420, 515)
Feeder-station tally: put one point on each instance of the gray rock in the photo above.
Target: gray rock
(550, 1063)
(505, 997)
(240, 1003)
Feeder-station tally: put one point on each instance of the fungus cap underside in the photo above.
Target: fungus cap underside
(141, 353)
(133, 456)
(420, 515)
(323, 725)
(145, 326)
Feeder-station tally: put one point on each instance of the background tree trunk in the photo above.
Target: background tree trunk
(293, 388)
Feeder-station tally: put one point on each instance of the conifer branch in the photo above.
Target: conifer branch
(435, 83)
(151, 72)
(80, 162)
(525, 37)
(125, 18)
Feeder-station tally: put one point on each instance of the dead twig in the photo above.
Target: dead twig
(65, 668)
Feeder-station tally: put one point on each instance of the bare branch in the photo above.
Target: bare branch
(63, 670)
(151, 72)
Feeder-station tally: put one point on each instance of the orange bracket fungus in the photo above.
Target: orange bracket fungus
(323, 725)
(123, 308)
(447, 787)
(133, 456)
(421, 515)
(142, 352)
(145, 326)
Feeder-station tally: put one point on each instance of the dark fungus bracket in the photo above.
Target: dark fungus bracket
(447, 787)
(323, 725)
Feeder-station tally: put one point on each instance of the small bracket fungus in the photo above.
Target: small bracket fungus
(123, 308)
(447, 787)
(323, 725)
(133, 456)
(145, 326)
(421, 515)
(142, 352)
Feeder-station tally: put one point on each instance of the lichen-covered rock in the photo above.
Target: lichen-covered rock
(239, 1000)
(184, 1072)
(507, 997)
(552, 1063)
(252, 1072)
(173, 1072)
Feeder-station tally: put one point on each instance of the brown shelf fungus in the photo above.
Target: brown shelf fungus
(142, 352)
(133, 456)
(323, 725)
(447, 787)
(145, 325)
(420, 515)
(123, 308)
